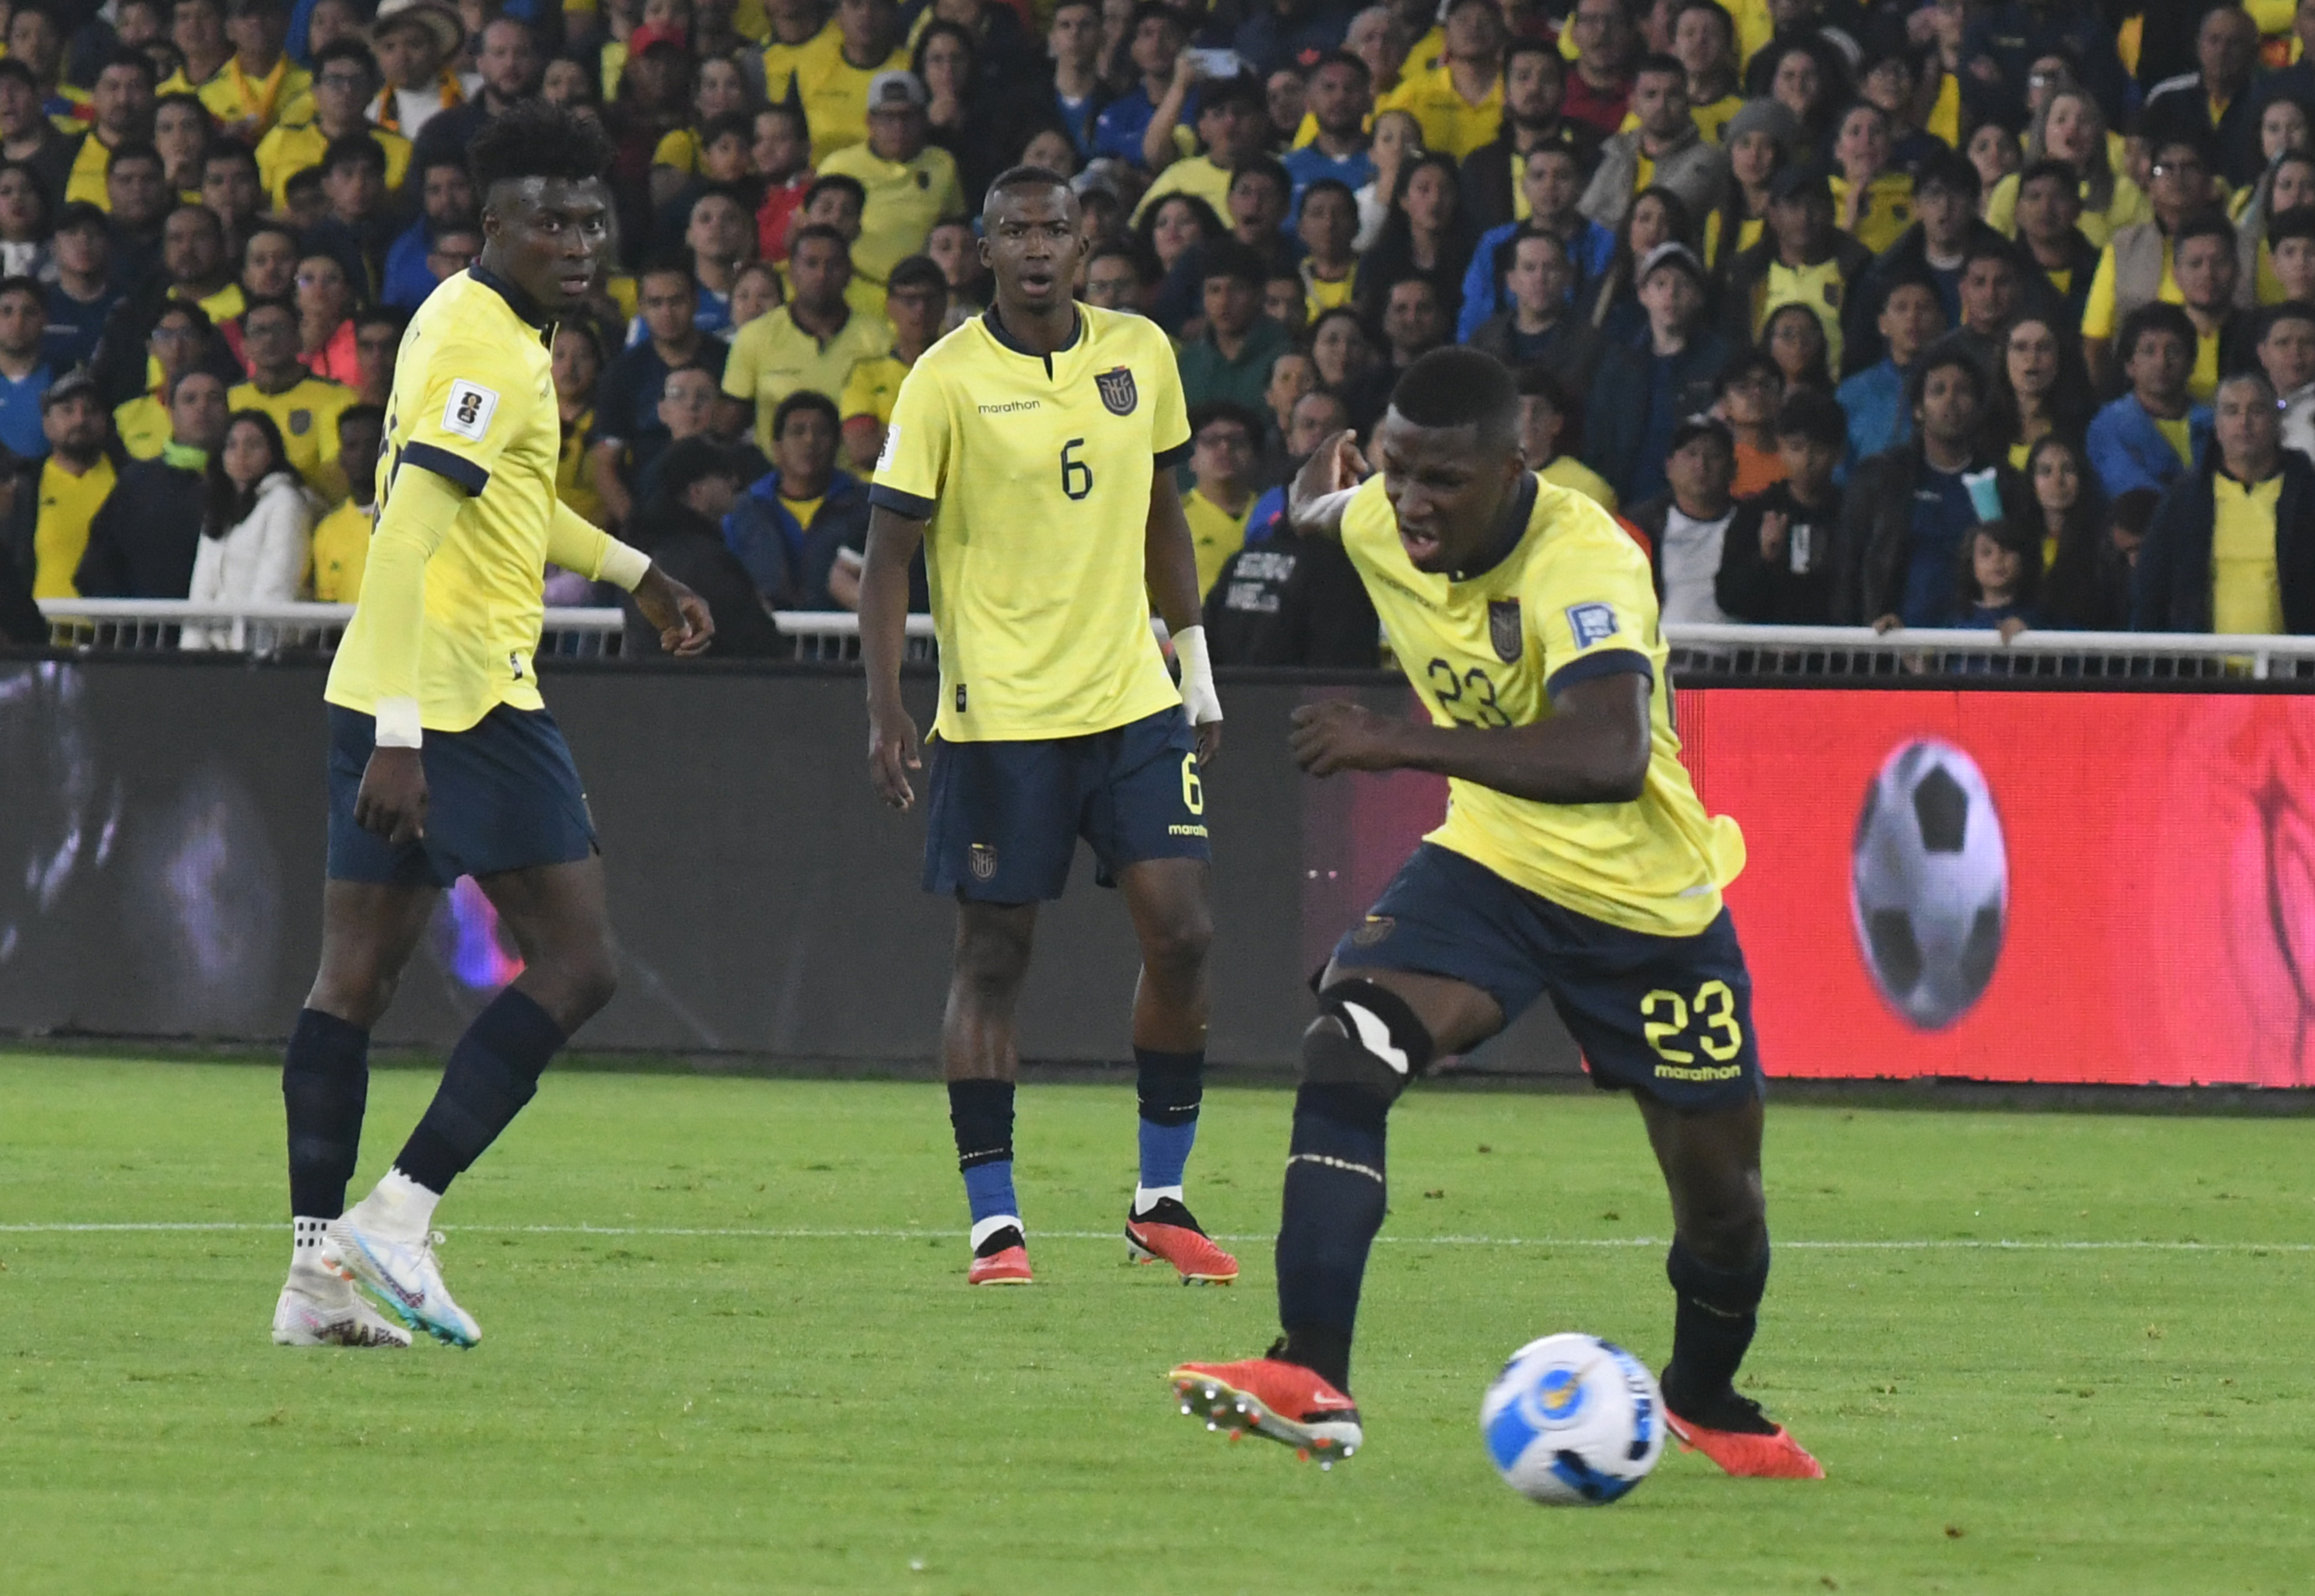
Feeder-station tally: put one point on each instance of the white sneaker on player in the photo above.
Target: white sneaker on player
(329, 1312)
(405, 1276)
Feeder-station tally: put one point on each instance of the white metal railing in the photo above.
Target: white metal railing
(834, 635)
(146, 625)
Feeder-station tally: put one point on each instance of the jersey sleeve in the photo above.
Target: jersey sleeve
(859, 396)
(739, 366)
(1593, 610)
(470, 408)
(1169, 411)
(918, 442)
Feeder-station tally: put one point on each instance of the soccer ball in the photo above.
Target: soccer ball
(1930, 882)
(1573, 1419)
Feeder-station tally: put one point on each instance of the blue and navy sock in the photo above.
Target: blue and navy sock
(1333, 1207)
(492, 1072)
(324, 1088)
(980, 1112)
(1170, 1086)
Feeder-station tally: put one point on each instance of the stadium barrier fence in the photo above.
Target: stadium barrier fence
(2078, 881)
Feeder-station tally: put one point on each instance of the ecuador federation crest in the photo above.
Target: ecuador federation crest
(1503, 629)
(1118, 394)
(983, 860)
(301, 421)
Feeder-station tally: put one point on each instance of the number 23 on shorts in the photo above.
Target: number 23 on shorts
(1665, 1017)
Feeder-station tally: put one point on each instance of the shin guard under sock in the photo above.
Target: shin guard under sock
(1170, 1086)
(1333, 1207)
(492, 1072)
(1715, 1313)
(980, 1112)
(324, 1088)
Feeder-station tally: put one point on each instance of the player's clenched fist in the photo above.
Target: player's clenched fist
(392, 801)
(892, 754)
(1335, 466)
(1342, 735)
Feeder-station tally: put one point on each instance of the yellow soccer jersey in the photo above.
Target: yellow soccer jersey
(872, 389)
(1571, 600)
(1034, 473)
(68, 503)
(340, 549)
(307, 413)
(473, 403)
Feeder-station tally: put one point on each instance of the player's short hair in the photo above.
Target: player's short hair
(1342, 57)
(917, 271)
(810, 399)
(2298, 222)
(532, 138)
(2051, 169)
(130, 56)
(836, 183)
(25, 285)
(822, 231)
(1948, 353)
(2209, 224)
(667, 265)
(2290, 310)
(1811, 413)
(2156, 318)
(129, 149)
(1458, 386)
(354, 149)
(1659, 65)
(2249, 374)
(1023, 179)
(727, 124)
(1232, 258)
(374, 414)
(347, 50)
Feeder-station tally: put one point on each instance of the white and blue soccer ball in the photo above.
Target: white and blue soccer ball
(1930, 882)
(1572, 1420)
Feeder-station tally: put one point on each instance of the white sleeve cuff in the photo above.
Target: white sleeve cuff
(397, 724)
(625, 567)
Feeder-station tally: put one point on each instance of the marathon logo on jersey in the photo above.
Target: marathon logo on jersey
(1118, 393)
(983, 860)
(468, 411)
(1591, 623)
(1503, 629)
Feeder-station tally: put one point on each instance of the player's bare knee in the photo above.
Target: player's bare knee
(991, 962)
(1365, 1047)
(1175, 953)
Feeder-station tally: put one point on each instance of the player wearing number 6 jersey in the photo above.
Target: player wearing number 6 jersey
(1030, 455)
(1575, 861)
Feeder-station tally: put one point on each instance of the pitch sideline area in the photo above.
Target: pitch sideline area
(727, 1347)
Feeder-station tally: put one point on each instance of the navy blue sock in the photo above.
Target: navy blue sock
(1170, 1086)
(324, 1088)
(1333, 1206)
(1715, 1313)
(492, 1072)
(980, 1112)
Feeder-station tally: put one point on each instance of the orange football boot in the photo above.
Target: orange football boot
(1270, 1396)
(1168, 1232)
(1748, 1454)
(1006, 1265)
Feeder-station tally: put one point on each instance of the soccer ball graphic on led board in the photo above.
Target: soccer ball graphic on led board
(1930, 882)
(1572, 1420)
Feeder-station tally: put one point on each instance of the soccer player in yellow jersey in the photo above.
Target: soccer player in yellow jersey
(443, 760)
(1575, 860)
(1030, 456)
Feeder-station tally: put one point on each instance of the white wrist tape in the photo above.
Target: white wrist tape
(625, 567)
(1198, 698)
(397, 724)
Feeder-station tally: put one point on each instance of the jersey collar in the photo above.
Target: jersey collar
(519, 302)
(1508, 532)
(996, 331)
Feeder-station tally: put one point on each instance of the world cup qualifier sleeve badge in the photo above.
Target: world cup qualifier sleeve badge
(1118, 394)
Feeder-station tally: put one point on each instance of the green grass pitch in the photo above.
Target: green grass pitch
(763, 1371)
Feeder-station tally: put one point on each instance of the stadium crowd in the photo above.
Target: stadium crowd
(1910, 313)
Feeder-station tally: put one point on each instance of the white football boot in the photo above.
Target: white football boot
(403, 1274)
(320, 1309)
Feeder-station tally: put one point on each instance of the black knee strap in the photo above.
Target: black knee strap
(1730, 1293)
(1367, 1039)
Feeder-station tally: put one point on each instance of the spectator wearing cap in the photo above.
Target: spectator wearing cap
(2155, 433)
(122, 104)
(788, 525)
(916, 304)
(680, 529)
(1460, 103)
(2215, 104)
(84, 294)
(142, 543)
(345, 80)
(810, 343)
(832, 84)
(1877, 399)
(909, 184)
(1231, 359)
(1908, 510)
(1801, 258)
(2231, 549)
(1778, 559)
(24, 374)
(1687, 523)
(2136, 267)
(58, 499)
(1233, 122)
(1936, 247)
(1641, 396)
(414, 42)
(1551, 182)
(1537, 327)
(508, 62)
(1664, 150)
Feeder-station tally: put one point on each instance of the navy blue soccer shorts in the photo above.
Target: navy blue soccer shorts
(503, 794)
(1671, 1016)
(1003, 818)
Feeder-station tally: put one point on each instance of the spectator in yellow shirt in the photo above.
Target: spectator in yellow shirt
(915, 303)
(907, 183)
(341, 537)
(832, 78)
(74, 481)
(1460, 102)
(1223, 438)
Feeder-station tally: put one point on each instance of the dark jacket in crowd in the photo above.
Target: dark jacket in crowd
(1861, 343)
(1745, 287)
(1572, 351)
(789, 562)
(122, 352)
(1289, 600)
(2043, 297)
(1795, 590)
(689, 548)
(1876, 528)
(1616, 413)
(20, 616)
(142, 543)
(1489, 182)
(2171, 591)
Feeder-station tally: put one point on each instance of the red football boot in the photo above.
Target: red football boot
(1759, 1449)
(1005, 1264)
(1168, 1231)
(1270, 1396)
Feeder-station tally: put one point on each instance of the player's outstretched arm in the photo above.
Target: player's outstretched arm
(1169, 569)
(1322, 489)
(893, 540)
(1594, 750)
